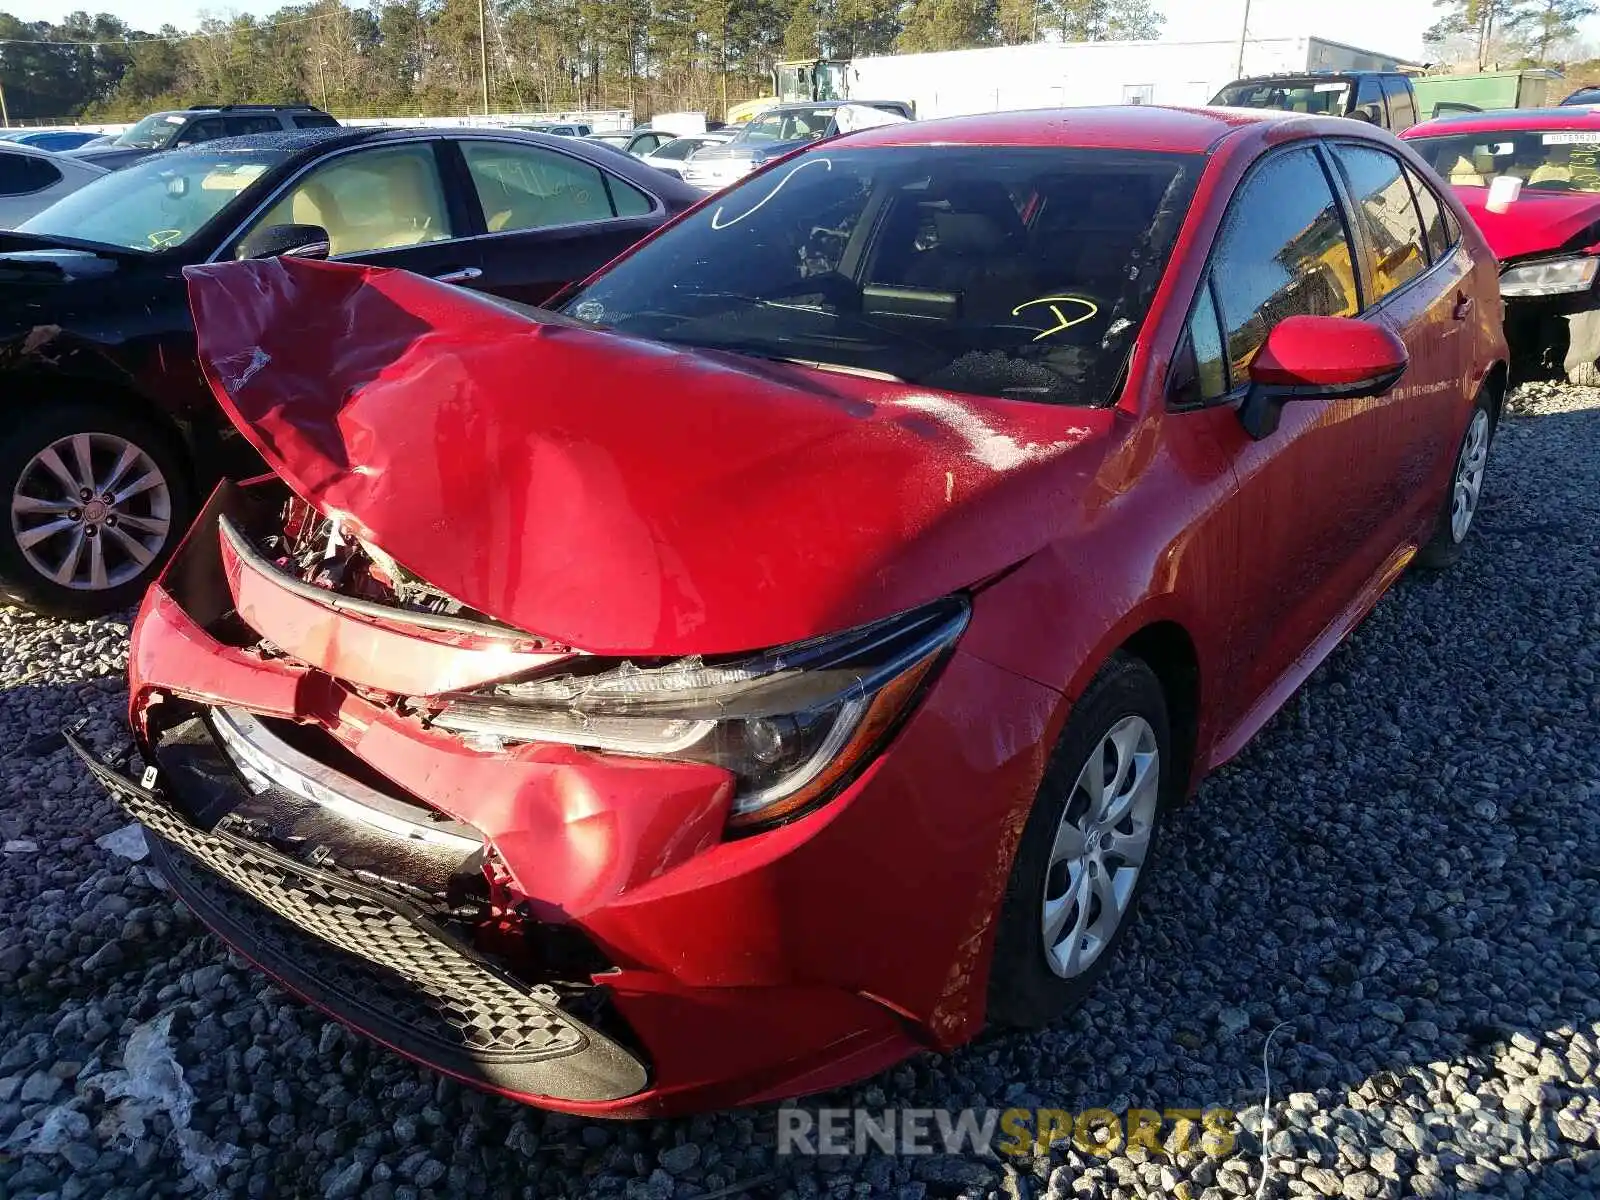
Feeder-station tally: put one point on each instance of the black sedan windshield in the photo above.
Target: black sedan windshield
(1311, 95)
(1021, 273)
(152, 133)
(155, 204)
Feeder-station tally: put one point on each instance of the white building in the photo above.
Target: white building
(1066, 75)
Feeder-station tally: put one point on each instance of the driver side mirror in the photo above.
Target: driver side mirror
(295, 241)
(1319, 358)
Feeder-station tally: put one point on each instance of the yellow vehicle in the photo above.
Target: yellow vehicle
(807, 79)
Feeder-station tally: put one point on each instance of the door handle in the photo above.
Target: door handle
(1463, 308)
(460, 275)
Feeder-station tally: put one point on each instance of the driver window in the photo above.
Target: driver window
(1283, 251)
(370, 200)
(1369, 101)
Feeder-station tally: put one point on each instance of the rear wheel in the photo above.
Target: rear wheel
(1466, 490)
(1084, 855)
(96, 499)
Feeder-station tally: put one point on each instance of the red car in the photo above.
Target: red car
(778, 660)
(1548, 238)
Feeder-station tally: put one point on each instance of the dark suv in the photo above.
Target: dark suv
(200, 123)
(1381, 98)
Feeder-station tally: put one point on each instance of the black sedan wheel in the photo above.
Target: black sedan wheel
(97, 500)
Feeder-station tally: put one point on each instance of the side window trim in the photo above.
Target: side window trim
(1422, 220)
(1368, 252)
(1452, 231)
(1355, 234)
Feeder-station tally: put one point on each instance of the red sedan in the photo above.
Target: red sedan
(1546, 228)
(778, 660)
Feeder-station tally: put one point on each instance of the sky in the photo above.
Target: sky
(1385, 26)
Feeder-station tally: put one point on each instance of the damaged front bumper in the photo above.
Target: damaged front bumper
(574, 929)
(356, 950)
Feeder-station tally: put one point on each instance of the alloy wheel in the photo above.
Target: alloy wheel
(91, 511)
(1100, 846)
(1470, 465)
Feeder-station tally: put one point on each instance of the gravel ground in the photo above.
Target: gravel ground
(1404, 868)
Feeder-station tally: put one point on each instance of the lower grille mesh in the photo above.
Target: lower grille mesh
(370, 959)
(357, 947)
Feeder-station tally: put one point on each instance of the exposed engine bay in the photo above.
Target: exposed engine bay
(318, 550)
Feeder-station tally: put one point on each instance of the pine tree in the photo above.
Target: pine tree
(1546, 24)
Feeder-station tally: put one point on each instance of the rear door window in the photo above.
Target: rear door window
(258, 123)
(1388, 213)
(1283, 251)
(528, 187)
(315, 121)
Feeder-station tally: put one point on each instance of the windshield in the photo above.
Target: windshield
(152, 133)
(155, 204)
(1020, 273)
(789, 125)
(1546, 160)
(1325, 96)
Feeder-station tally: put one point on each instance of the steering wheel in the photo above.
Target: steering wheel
(836, 288)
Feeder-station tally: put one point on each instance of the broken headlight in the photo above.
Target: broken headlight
(793, 725)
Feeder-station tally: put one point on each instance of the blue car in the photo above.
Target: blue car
(49, 139)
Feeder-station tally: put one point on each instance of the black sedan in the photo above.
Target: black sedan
(108, 434)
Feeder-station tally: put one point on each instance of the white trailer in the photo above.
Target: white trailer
(1072, 74)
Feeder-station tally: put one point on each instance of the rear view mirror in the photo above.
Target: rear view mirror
(296, 241)
(1319, 358)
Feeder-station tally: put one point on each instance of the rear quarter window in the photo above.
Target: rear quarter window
(21, 174)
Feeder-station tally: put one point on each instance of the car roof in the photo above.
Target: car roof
(1321, 73)
(808, 105)
(1572, 116)
(22, 148)
(1119, 127)
(290, 140)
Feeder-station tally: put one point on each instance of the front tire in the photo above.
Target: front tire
(96, 500)
(1084, 855)
(1466, 489)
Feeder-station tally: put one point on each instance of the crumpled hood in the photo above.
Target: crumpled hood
(1535, 223)
(618, 495)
